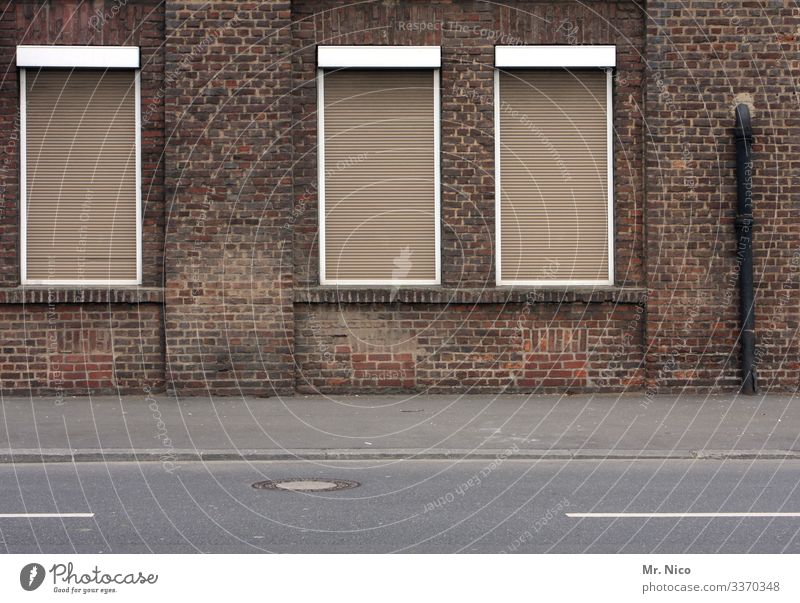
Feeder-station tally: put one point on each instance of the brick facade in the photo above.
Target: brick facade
(467, 33)
(228, 286)
(703, 62)
(468, 347)
(231, 301)
(66, 349)
(101, 345)
(486, 346)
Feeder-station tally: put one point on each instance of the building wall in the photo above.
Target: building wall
(231, 301)
(448, 345)
(83, 23)
(515, 347)
(102, 340)
(704, 58)
(61, 349)
(228, 259)
(468, 33)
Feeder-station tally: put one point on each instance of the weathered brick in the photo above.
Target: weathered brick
(231, 301)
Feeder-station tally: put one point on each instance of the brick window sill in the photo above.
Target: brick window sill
(44, 294)
(444, 295)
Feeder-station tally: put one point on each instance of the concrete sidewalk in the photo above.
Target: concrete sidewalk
(161, 428)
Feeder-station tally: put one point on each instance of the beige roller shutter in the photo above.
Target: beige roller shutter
(81, 175)
(553, 175)
(379, 181)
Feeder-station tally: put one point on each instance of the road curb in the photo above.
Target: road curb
(63, 455)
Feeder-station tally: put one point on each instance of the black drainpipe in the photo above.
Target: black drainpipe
(744, 249)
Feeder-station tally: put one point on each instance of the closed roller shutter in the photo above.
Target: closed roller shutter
(81, 175)
(554, 175)
(379, 181)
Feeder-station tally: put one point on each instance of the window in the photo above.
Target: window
(80, 165)
(553, 161)
(378, 122)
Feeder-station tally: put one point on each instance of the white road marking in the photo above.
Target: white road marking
(38, 515)
(658, 515)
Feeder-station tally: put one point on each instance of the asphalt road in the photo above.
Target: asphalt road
(403, 506)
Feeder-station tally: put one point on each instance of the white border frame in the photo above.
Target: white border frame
(571, 56)
(380, 57)
(78, 57)
(610, 185)
(324, 281)
(23, 197)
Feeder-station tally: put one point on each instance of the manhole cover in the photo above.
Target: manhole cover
(306, 484)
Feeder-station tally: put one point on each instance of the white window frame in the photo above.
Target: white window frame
(531, 57)
(94, 57)
(572, 56)
(379, 57)
(390, 57)
(79, 57)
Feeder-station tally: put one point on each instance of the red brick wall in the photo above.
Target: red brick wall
(70, 349)
(704, 58)
(354, 347)
(228, 258)
(63, 347)
(57, 22)
(467, 33)
(538, 347)
(229, 181)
